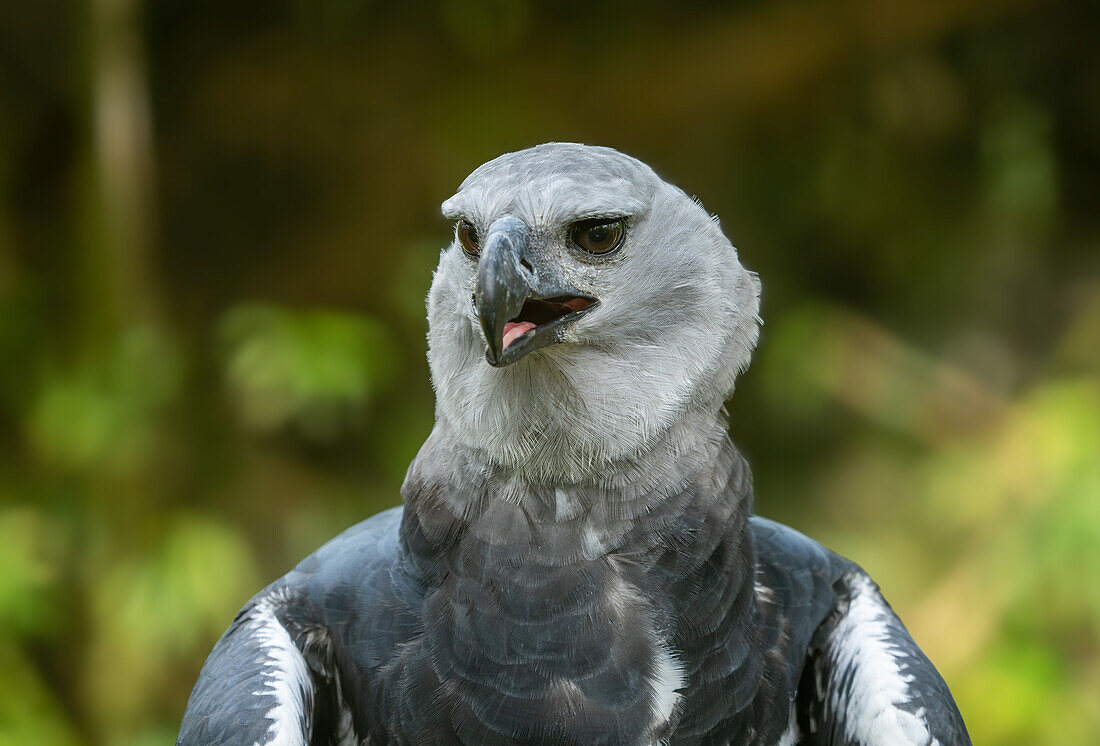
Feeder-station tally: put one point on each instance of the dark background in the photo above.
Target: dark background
(218, 221)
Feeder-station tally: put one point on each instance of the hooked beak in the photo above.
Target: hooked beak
(519, 311)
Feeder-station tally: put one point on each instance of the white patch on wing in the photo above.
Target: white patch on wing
(791, 735)
(285, 677)
(668, 679)
(345, 727)
(868, 685)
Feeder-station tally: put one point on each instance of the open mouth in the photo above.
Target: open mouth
(540, 323)
(538, 313)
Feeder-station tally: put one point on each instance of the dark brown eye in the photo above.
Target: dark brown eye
(467, 236)
(598, 236)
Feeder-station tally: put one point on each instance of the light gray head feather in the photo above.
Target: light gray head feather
(677, 320)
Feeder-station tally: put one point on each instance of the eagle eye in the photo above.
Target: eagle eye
(467, 236)
(599, 235)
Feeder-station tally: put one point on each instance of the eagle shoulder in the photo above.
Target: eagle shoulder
(862, 679)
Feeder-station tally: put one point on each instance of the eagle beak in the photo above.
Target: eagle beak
(519, 311)
(503, 282)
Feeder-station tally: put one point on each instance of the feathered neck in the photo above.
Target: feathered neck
(646, 573)
(681, 491)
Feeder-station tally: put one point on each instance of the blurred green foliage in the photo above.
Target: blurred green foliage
(310, 369)
(218, 221)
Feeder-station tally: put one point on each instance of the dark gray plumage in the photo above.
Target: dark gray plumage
(576, 562)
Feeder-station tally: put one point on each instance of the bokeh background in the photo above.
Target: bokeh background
(219, 218)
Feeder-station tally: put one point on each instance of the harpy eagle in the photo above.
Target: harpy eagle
(576, 561)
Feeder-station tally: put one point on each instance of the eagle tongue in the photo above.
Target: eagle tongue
(513, 330)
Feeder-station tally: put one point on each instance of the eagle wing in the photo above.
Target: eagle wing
(255, 688)
(272, 679)
(867, 683)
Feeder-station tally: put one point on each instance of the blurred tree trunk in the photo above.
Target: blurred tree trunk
(118, 298)
(116, 201)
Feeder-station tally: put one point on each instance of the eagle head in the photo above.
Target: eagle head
(584, 306)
